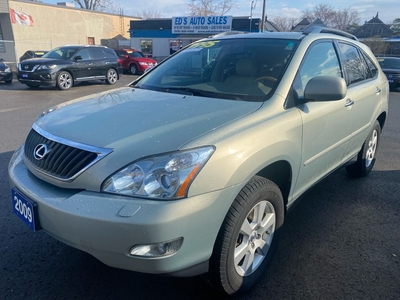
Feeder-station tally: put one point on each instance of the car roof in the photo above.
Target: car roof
(285, 35)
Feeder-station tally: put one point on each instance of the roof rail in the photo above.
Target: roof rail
(322, 29)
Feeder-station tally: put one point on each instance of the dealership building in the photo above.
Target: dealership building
(32, 25)
(159, 38)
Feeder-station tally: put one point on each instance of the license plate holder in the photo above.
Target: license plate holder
(26, 210)
(25, 76)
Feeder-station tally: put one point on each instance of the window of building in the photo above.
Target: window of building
(90, 40)
(146, 47)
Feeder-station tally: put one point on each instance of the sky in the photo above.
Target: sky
(388, 9)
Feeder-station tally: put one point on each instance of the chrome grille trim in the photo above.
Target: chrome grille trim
(66, 160)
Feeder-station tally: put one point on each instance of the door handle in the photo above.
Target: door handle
(349, 102)
(378, 90)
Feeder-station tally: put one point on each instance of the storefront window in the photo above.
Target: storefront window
(146, 47)
(174, 45)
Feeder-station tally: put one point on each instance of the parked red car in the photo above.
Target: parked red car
(134, 61)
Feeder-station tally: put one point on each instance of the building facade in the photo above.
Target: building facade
(157, 38)
(28, 25)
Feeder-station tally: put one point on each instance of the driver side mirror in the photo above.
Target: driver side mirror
(78, 57)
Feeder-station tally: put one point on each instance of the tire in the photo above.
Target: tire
(32, 85)
(64, 80)
(367, 155)
(133, 69)
(112, 76)
(244, 236)
(8, 81)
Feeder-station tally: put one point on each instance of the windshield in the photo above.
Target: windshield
(240, 69)
(389, 63)
(135, 54)
(61, 53)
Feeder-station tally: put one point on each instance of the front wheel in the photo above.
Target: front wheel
(112, 76)
(133, 69)
(64, 80)
(367, 155)
(248, 237)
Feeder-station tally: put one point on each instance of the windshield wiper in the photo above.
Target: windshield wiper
(186, 91)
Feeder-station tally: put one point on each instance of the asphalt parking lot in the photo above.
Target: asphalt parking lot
(340, 242)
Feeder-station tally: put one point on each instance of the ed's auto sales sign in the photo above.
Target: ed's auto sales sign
(209, 24)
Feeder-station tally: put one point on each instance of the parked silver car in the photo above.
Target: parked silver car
(191, 169)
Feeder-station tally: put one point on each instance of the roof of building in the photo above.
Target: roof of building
(374, 27)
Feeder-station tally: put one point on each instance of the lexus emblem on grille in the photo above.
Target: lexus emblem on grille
(40, 151)
(26, 67)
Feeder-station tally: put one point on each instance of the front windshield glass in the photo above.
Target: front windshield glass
(389, 63)
(240, 69)
(61, 53)
(135, 54)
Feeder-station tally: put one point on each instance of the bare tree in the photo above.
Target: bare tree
(343, 19)
(284, 23)
(396, 26)
(377, 45)
(148, 13)
(210, 7)
(322, 11)
(99, 5)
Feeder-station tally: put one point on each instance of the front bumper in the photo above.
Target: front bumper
(6, 76)
(107, 226)
(42, 77)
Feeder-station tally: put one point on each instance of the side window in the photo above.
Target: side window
(354, 65)
(320, 60)
(372, 69)
(110, 53)
(97, 53)
(84, 53)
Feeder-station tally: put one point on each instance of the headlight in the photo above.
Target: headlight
(166, 176)
(46, 67)
(142, 63)
(7, 70)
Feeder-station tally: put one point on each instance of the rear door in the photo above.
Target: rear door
(364, 92)
(99, 61)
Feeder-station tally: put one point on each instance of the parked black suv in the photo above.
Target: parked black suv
(65, 65)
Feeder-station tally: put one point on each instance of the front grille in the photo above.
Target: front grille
(62, 161)
(393, 76)
(27, 67)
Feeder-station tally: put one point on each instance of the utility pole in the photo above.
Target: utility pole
(263, 16)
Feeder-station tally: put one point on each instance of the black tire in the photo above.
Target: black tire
(64, 80)
(32, 85)
(230, 275)
(8, 81)
(367, 155)
(133, 69)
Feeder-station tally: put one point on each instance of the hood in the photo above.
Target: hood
(44, 61)
(391, 71)
(147, 122)
(144, 59)
(3, 66)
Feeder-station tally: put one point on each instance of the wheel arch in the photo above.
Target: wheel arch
(382, 119)
(279, 172)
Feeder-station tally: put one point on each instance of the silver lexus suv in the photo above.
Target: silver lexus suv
(192, 167)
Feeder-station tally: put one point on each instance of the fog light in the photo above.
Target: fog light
(157, 250)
